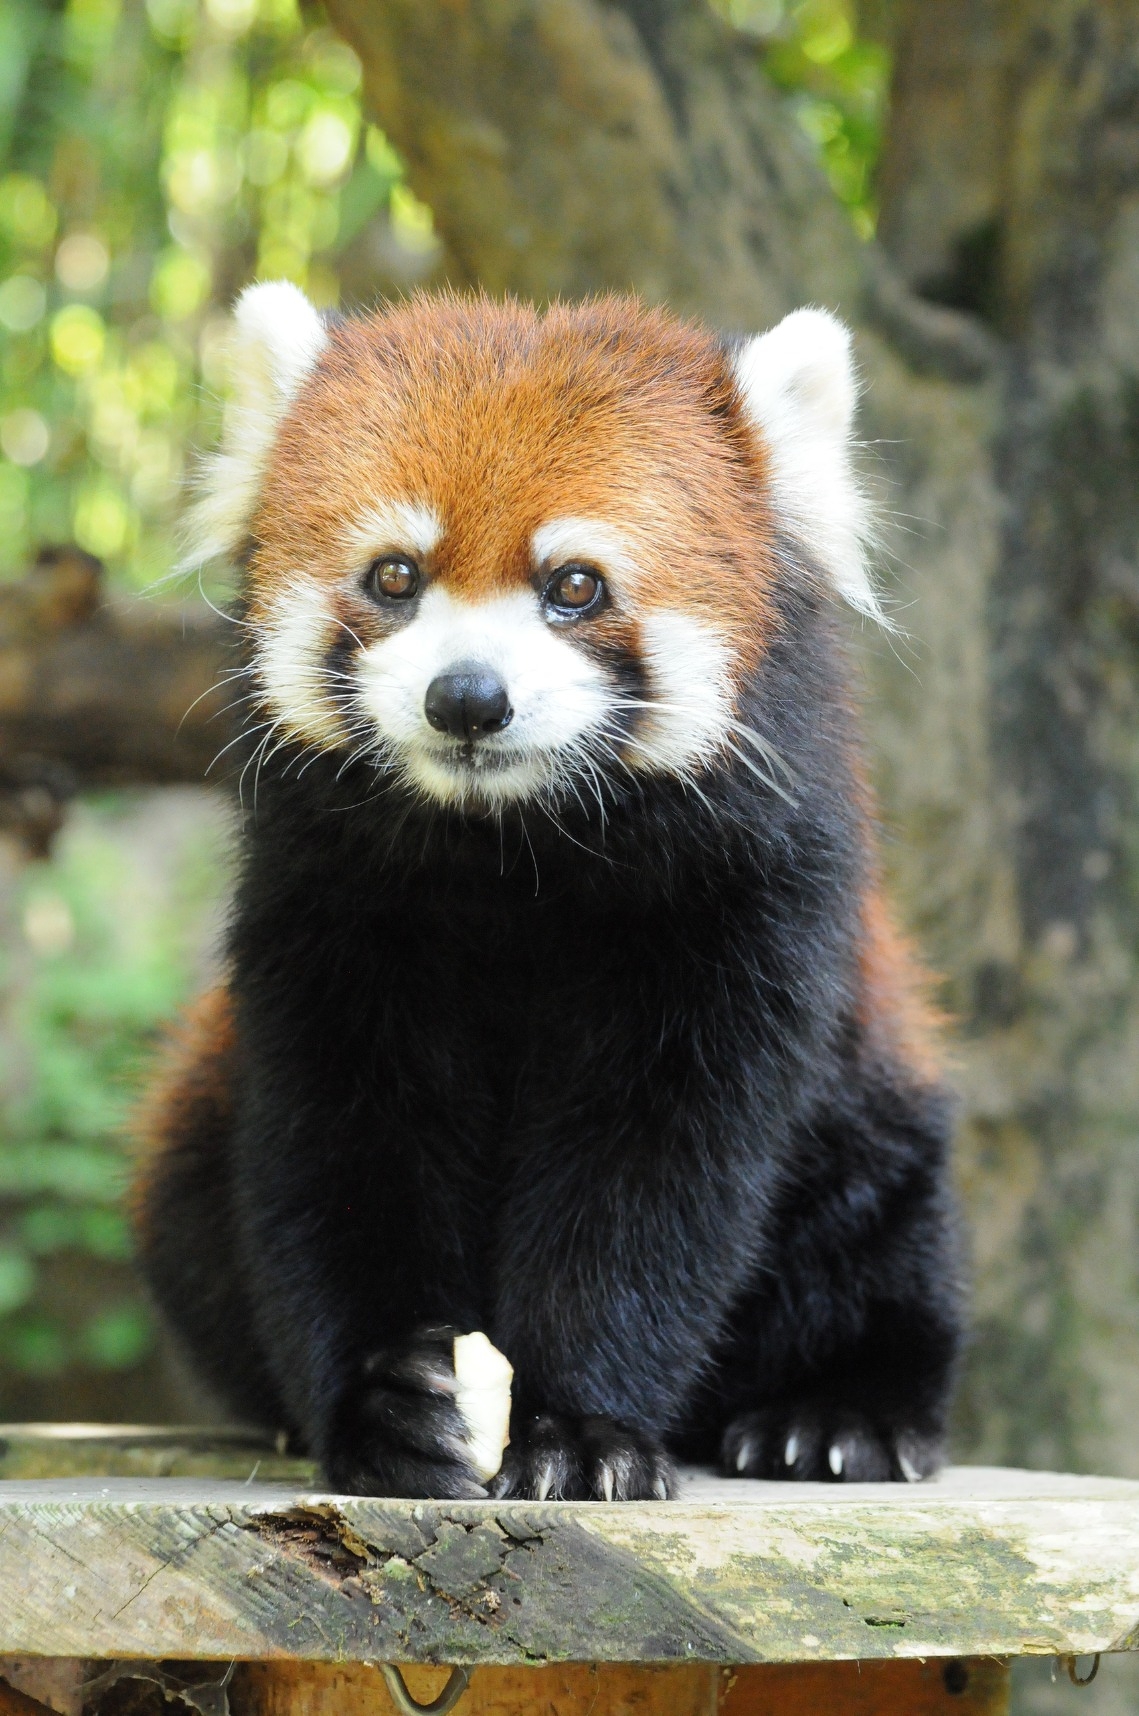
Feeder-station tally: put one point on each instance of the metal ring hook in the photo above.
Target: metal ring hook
(409, 1706)
(1070, 1664)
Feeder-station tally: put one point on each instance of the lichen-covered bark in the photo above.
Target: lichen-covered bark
(1038, 234)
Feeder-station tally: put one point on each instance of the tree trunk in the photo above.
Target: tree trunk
(568, 146)
(1040, 236)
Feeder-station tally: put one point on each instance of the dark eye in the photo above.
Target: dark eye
(574, 589)
(393, 576)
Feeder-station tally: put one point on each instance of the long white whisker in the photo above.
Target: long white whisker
(218, 685)
(679, 707)
(246, 733)
(259, 752)
(230, 619)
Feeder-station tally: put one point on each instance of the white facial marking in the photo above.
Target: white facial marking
(798, 388)
(690, 711)
(289, 657)
(557, 693)
(386, 526)
(592, 540)
(277, 340)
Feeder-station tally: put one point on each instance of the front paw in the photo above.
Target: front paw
(815, 1441)
(583, 1459)
(398, 1431)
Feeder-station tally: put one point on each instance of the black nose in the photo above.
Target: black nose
(467, 702)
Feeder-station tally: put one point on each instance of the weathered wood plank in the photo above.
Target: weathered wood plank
(971, 1564)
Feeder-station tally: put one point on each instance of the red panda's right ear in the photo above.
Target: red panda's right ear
(798, 388)
(277, 338)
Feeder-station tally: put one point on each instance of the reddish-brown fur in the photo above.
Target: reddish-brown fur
(503, 419)
(894, 1003)
(189, 1097)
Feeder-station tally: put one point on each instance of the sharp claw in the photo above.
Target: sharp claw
(660, 1489)
(909, 1470)
(546, 1481)
(607, 1482)
(791, 1451)
(835, 1460)
(743, 1456)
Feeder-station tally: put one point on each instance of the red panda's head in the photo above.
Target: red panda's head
(494, 550)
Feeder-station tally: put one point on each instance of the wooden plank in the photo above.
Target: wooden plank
(970, 1564)
(954, 1687)
(147, 1451)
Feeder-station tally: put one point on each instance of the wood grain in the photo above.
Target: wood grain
(961, 1687)
(972, 1564)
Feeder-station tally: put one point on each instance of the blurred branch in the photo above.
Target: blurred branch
(97, 691)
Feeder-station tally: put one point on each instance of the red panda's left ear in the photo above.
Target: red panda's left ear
(277, 339)
(799, 391)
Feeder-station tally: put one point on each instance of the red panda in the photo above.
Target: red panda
(562, 1001)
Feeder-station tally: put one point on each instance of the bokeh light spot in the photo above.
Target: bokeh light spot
(82, 262)
(24, 436)
(78, 338)
(325, 147)
(179, 285)
(23, 301)
(102, 519)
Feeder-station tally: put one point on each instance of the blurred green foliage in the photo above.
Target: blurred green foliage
(836, 81)
(155, 157)
(108, 940)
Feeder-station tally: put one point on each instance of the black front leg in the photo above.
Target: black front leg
(619, 1260)
(582, 1459)
(842, 1359)
(360, 1276)
(395, 1430)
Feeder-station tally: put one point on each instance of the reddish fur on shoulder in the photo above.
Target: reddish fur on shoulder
(502, 419)
(189, 1097)
(894, 1002)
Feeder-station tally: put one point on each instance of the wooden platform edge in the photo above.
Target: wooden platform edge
(225, 1571)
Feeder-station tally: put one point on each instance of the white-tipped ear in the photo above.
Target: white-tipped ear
(277, 339)
(798, 388)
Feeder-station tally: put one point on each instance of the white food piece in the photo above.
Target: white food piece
(482, 1393)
